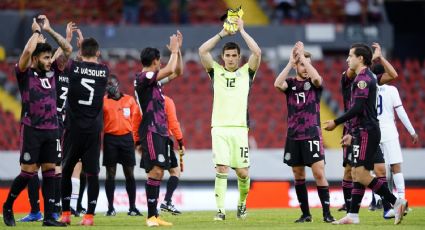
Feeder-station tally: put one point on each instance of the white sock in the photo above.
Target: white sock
(75, 192)
(377, 197)
(399, 184)
(354, 216)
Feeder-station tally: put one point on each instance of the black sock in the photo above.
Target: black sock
(172, 183)
(33, 193)
(48, 190)
(92, 192)
(58, 178)
(130, 186)
(83, 182)
(386, 205)
(66, 189)
(152, 194)
(347, 186)
(356, 197)
(19, 184)
(323, 192)
(301, 190)
(109, 189)
(381, 188)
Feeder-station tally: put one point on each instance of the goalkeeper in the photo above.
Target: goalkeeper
(230, 119)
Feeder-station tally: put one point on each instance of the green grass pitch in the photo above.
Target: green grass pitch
(257, 219)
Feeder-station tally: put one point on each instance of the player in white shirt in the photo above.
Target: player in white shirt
(388, 101)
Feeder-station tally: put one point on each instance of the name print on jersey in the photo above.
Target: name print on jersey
(90, 72)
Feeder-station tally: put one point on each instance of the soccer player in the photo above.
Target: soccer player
(230, 119)
(84, 122)
(61, 81)
(174, 129)
(304, 145)
(153, 130)
(365, 133)
(118, 145)
(386, 76)
(388, 101)
(40, 144)
(174, 170)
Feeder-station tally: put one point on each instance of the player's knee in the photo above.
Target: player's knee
(222, 169)
(29, 167)
(175, 172)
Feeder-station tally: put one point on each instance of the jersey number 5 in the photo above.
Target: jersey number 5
(85, 82)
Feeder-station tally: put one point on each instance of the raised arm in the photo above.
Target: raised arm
(204, 50)
(179, 68)
(280, 82)
(255, 57)
(390, 73)
(315, 77)
(25, 58)
(62, 42)
(171, 66)
(70, 28)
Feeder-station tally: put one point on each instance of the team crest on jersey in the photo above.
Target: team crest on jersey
(307, 86)
(50, 74)
(238, 74)
(149, 75)
(362, 84)
(287, 156)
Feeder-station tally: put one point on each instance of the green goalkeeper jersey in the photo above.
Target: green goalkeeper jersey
(231, 91)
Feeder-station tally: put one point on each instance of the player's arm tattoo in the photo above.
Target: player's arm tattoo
(62, 42)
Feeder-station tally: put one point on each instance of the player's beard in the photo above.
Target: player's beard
(42, 67)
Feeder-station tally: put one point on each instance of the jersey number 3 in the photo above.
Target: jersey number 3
(85, 82)
(379, 105)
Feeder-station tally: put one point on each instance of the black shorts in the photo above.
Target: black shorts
(173, 156)
(80, 145)
(365, 147)
(39, 146)
(347, 156)
(303, 152)
(154, 151)
(118, 149)
(379, 156)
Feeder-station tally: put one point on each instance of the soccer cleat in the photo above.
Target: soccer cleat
(152, 222)
(134, 212)
(220, 216)
(87, 220)
(111, 212)
(328, 218)
(169, 207)
(163, 222)
(8, 217)
(53, 223)
(346, 220)
(343, 208)
(399, 209)
(75, 212)
(32, 217)
(389, 214)
(55, 215)
(304, 219)
(372, 206)
(66, 217)
(241, 212)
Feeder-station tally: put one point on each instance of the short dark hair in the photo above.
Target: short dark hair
(378, 69)
(89, 47)
(41, 48)
(361, 49)
(231, 46)
(113, 77)
(148, 55)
